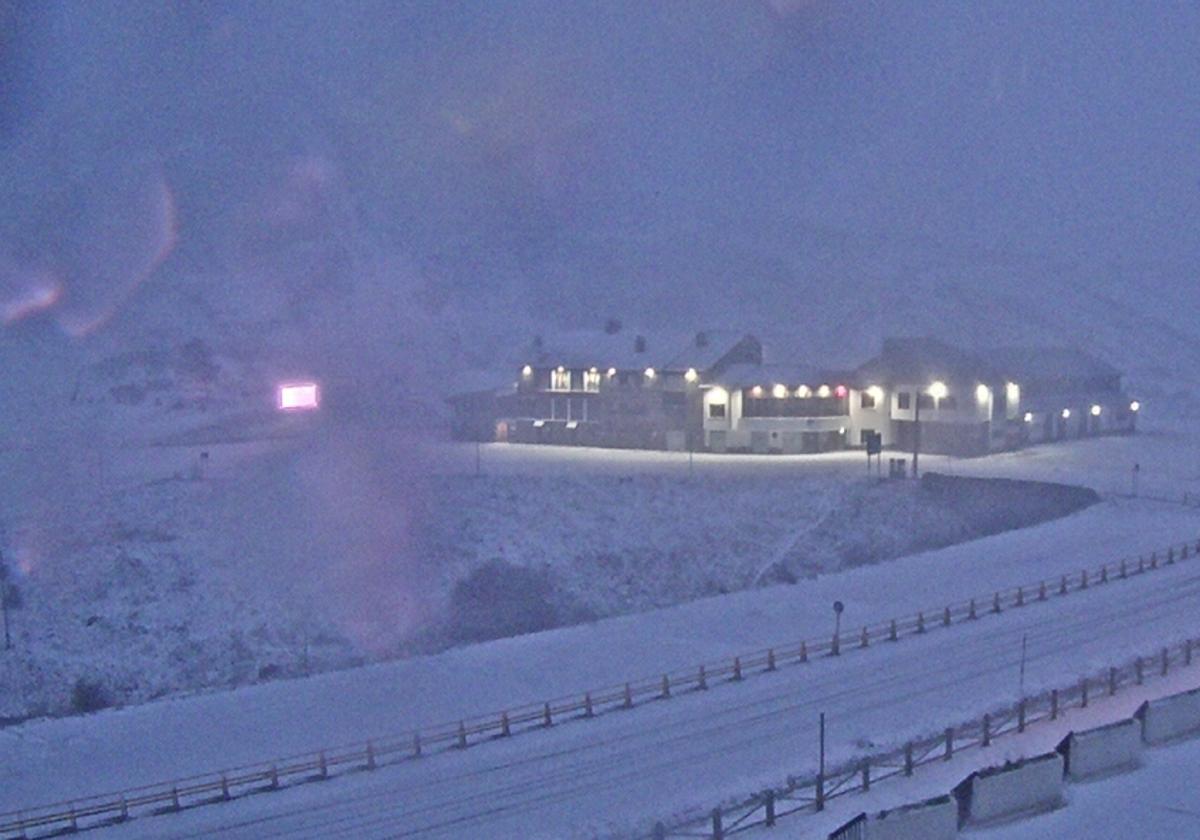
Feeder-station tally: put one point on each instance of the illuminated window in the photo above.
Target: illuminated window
(560, 379)
(591, 380)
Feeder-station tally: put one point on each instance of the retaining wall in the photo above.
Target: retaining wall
(1035, 784)
(1103, 750)
(1170, 717)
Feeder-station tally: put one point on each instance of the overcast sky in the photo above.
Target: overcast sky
(508, 152)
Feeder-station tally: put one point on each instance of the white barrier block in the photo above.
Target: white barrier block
(1170, 717)
(1103, 750)
(934, 819)
(1034, 784)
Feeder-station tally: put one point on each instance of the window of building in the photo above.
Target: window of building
(560, 379)
(716, 411)
(591, 380)
(904, 400)
(866, 400)
(925, 401)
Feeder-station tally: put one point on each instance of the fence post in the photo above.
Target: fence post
(946, 617)
(628, 697)
(547, 719)
(1141, 565)
(125, 809)
(819, 797)
(74, 820)
(1104, 573)
(769, 802)
(737, 669)
(866, 638)
(920, 622)
(1020, 596)
(416, 748)
(587, 705)
(666, 687)
(866, 775)
(1187, 652)
(1083, 693)
(892, 636)
(274, 777)
(804, 651)
(1042, 591)
(370, 756)
(1054, 704)
(1112, 681)
(996, 603)
(1137, 669)
(971, 610)
(718, 832)
(322, 765)
(462, 735)
(1021, 715)
(770, 659)
(1083, 579)
(504, 729)
(1153, 559)
(1062, 589)
(702, 680)
(1166, 660)
(949, 742)
(908, 759)
(987, 730)
(174, 800)
(1170, 556)
(835, 645)
(1123, 574)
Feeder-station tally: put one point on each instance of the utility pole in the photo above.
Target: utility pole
(821, 768)
(916, 433)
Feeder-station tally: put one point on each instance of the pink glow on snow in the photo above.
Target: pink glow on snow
(299, 396)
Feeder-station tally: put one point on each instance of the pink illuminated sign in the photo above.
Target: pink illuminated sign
(298, 396)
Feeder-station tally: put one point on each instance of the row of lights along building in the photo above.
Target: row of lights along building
(713, 392)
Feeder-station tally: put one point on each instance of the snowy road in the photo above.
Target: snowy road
(631, 767)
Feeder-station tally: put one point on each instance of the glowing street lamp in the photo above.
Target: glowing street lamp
(1066, 414)
(938, 391)
(691, 375)
(1028, 416)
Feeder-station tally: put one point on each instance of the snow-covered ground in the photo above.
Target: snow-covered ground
(149, 569)
(55, 759)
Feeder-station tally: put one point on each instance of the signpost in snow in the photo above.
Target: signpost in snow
(836, 648)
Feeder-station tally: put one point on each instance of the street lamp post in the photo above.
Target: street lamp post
(937, 390)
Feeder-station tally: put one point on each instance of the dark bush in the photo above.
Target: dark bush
(499, 599)
(89, 696)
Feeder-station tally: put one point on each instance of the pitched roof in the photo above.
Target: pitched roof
(603, 349)
(918, 360)
(1032, 363)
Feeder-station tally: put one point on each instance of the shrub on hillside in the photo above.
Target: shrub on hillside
(499, 599)
(88, 696)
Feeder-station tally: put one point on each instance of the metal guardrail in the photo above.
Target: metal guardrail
(811, 793)
(222, 785)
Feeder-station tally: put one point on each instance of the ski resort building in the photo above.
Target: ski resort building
(711, 391)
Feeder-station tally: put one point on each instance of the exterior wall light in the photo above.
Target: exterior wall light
(1135, 406)
(938, 390)
(840, 391)
(650, 374)
(1028, 416)
(612, 372)
(527, 371)
(779, 391)
(757, 391)
(804, 392)
(982, 392)
(1096, 410)
(691, 375)
(1066, 413)
(823, 391)
(875, 393)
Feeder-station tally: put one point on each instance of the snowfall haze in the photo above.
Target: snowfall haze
(381, 202)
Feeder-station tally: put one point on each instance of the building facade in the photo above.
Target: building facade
(711, 391)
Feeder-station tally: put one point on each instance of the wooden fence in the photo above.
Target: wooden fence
(222, 785)
(809, 794)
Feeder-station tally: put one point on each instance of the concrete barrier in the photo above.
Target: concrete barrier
(997, 793)
(1171, 717)
(1103, 750)
(933, 819)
